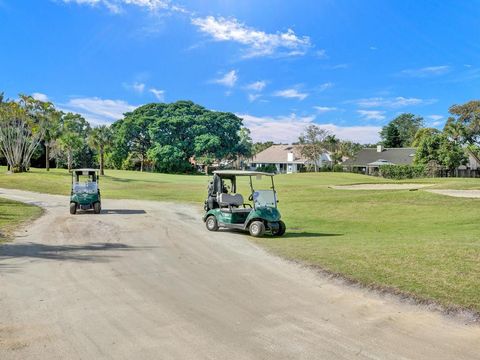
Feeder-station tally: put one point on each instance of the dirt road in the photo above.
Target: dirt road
(145, 280)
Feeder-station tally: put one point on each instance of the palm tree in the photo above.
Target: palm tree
(455, 130)
(52, 127)
(70, 142)
(99, 138)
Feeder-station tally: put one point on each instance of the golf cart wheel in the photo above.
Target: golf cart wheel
(211, 223)
(73, 208)
(281, 229)
(256, 228)
(97, 208)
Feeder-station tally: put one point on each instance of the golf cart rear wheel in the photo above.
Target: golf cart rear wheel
(97, 208)
(256, 228)
(211, 223)
(281, 229)
(73, 208)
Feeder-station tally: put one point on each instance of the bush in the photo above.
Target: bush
(337, 168)
(267, 168)
(399, 172)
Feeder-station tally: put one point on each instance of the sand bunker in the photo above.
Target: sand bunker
(380, 187)
(473, 194)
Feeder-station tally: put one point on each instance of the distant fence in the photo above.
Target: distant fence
(463, 173)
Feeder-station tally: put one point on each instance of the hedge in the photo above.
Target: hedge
(402, 171)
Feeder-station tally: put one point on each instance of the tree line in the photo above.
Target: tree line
(444, 148)
(156, 137)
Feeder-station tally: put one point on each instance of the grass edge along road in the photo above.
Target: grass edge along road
(14, 214)
(414, 242)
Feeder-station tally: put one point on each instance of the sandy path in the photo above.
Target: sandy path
(474, 194)
(380, 187)
(146, 280)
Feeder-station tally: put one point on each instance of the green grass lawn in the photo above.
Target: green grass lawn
(419, 243)
(12, 214)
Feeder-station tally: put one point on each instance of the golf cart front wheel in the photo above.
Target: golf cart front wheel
(73, 208)
(256, 228)
(211, 223)
(97, 208)
(281, 229)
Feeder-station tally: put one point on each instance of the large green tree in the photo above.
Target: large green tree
(244, 148)
(99, 138)
(171, 135)
(400, 132)
(23, 124)
(313, 143)
(75, 131)
(440, 149)
(464, 124)
(52, 127)
(424, 133)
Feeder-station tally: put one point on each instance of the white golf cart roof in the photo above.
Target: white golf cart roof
(241, 173)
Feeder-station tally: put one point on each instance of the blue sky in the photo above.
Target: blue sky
(349, 66)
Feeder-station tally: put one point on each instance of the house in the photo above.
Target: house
(369, 160)
(287, 159)
(471, 168)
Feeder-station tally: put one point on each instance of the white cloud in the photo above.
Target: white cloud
(139, 87)
(159, 94)
(229, 79)
(435, 117)
(339, 66)
(291, 93)
(97, 110)
(426, 71)
(436, 120)
(257, 42)
(395, 102)
(256, 86)
(282, 129)
(361, 134)
(325, 86)
(372, 114)
(321, 54)
(324, 109)
(116, 6)
(253, 97)
(40, 96)
(286, 129)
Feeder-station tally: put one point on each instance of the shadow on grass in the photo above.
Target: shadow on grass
(94, 252)
(307, 234)
(123, 211)
(288, 235)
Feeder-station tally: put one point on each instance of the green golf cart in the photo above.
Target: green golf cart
(85, 194)
(224, 208)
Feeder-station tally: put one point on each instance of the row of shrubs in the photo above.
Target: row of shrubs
(273, 169)
(403, 171)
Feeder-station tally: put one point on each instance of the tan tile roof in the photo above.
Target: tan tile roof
(279, 154)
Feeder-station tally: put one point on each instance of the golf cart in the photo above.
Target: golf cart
(85, 193)
(228, 210)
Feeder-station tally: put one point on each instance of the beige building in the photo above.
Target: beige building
(286, 158)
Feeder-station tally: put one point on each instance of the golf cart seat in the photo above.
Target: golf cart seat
(233, 202)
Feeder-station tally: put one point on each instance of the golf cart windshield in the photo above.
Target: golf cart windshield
(85, 187)
(264, 198)
(84, 181)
